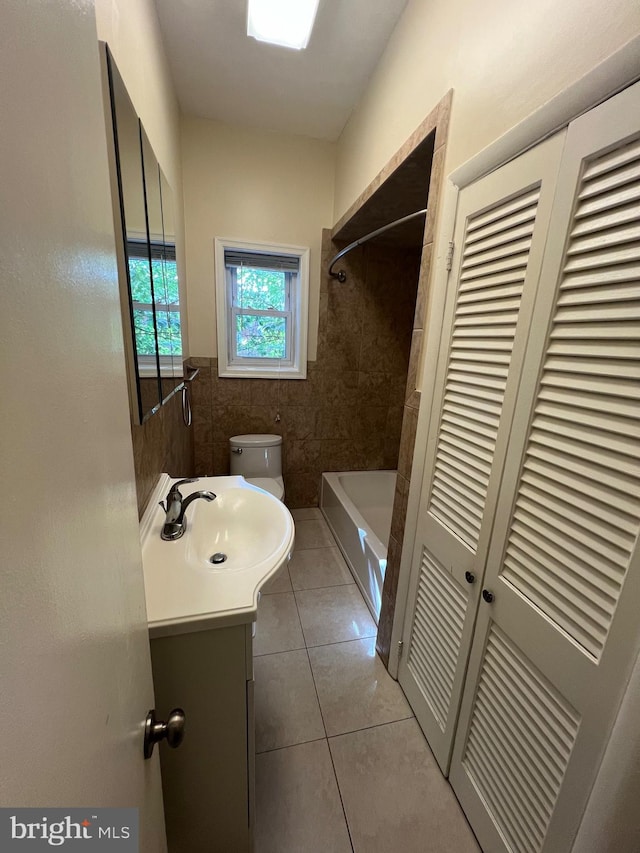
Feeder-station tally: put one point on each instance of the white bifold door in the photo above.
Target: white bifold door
(501, 229)
(540, 645)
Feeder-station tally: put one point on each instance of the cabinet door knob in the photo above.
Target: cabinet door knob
(488, 596)
(156, 730)
(469, 577)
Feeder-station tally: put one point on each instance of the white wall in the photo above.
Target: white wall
(132, 31)
(611, 822)
(256, 186)
(503, 58)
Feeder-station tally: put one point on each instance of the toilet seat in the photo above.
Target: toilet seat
(273, 485)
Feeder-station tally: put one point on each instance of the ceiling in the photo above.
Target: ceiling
(221, 74)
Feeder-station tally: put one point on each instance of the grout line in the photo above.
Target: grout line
(344, 811)
(319, 646)
(333, 586)
(315, 687)
(290, 745)
(308, 588)
(314, 548)
(297, 550)
(373, 726)
(343, 642)
(339, 642)
(281, 652)
(275, 592)
(335, 775)
(300, 620)
(329, 586)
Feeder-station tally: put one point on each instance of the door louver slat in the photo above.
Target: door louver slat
(533, 722)
(620, 157)
(575, 435)
(500, 219)
(607, 219)
(494, 263)
(435, 635)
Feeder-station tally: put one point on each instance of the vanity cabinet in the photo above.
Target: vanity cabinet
(208, 783)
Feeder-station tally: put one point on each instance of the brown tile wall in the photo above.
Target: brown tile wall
(161, 445)
(347, 414)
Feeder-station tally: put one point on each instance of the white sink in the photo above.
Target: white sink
(211, 576)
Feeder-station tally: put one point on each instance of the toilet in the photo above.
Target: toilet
(258, 458)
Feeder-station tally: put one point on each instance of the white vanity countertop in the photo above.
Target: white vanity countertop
(184, 591)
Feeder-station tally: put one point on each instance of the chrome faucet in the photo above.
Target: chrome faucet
(175, 507)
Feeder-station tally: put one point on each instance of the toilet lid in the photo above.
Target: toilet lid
(268, 484)
(255, 440)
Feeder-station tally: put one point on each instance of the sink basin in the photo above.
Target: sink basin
(242, 525)
(212, 575)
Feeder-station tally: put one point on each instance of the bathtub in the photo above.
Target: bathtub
(357, 506)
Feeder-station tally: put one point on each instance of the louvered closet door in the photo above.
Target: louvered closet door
(553, 651)
(500, 234)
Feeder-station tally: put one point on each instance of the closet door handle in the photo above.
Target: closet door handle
(488, 596)
(469, 577)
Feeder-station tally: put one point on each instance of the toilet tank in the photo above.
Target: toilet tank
(261, 455)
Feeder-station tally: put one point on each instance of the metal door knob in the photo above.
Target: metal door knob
(469, 577)
(156, 730)
(488, 596)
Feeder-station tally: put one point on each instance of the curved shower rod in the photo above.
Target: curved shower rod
(341, 274)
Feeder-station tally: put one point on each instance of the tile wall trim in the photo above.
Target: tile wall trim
(438, 120)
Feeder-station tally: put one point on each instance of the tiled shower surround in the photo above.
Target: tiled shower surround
(347, 414)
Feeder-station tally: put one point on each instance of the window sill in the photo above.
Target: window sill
(253, 372)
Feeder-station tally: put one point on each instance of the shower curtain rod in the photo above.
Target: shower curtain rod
(341, 274)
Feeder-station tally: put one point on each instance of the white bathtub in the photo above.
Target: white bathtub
(357, 506)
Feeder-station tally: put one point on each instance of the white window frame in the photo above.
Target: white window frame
(297, 312)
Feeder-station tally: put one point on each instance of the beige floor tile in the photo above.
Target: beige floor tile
(354, 688)
(278, 626)
(298, 806)
(280, 582)
(394, 795)
(306, 514)
(334, 614)
(287, 710)
(318, 567)
(313, 533)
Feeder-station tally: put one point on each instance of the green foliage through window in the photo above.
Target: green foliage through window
(260, 336)
(167, 294)
(261, 289)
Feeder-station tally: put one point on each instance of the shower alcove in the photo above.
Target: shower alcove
(386, 289)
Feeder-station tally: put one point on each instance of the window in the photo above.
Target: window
(262, 295)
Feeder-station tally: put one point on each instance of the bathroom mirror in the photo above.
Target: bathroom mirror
(155, 232)
(172, 284)
(147, 262)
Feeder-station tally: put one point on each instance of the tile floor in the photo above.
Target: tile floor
(341, 763)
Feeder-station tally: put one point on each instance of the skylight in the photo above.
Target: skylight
(287, 23)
